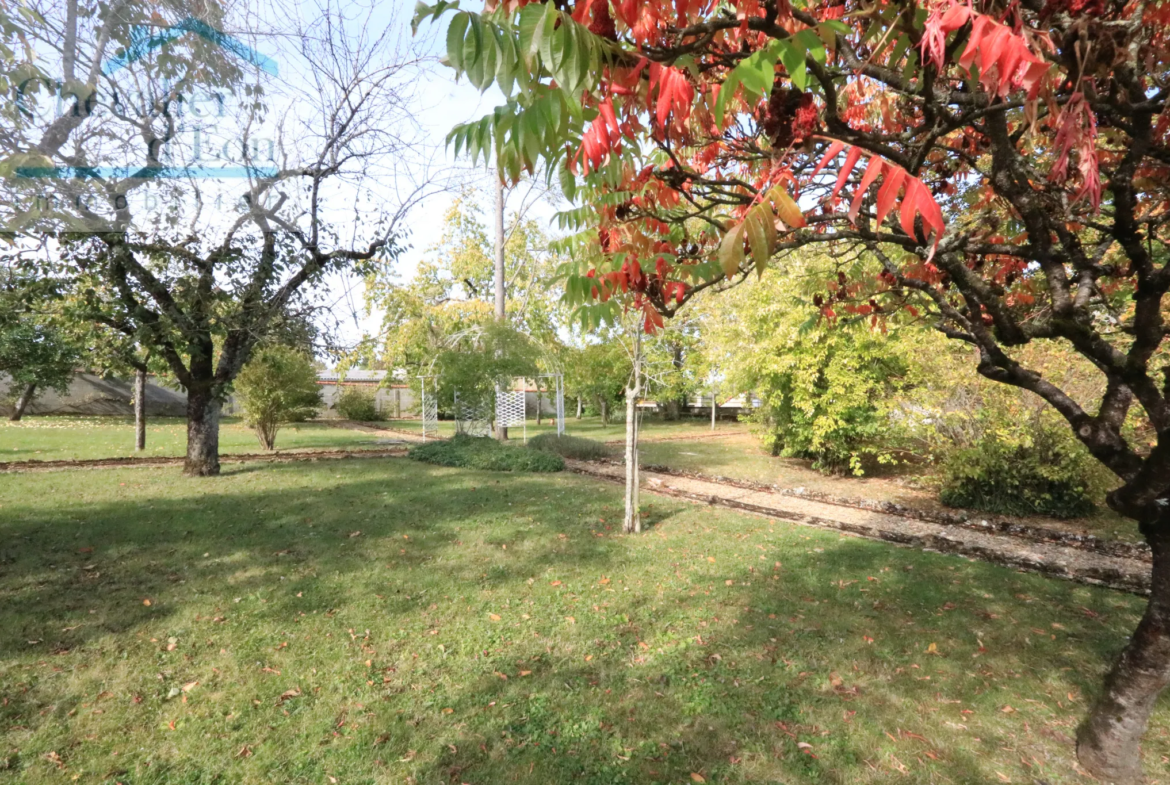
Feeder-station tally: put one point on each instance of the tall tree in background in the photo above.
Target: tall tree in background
(1008, 164)
(192, 239)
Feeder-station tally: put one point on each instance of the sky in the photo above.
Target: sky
(442, 103)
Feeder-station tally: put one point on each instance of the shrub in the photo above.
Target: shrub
(277, 386)
(1046, 475)
(481, 452)
(357, 404)
(569, 446)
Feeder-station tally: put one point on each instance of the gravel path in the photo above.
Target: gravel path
(1062, 561)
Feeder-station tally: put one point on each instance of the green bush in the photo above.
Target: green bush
(277, 386)
(357, 404)
(1048, 475)
(471, 452)
(566, 446)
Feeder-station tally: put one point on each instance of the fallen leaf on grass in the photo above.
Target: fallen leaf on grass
(190, 686)
(295, 692)
(408, 757)
(494, 616)
(696, 777)
(448, 710)
(245, 751)
(932, 648)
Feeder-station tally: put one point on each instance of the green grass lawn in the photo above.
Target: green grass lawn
(591, 428)
(79, 438)
(385, 621)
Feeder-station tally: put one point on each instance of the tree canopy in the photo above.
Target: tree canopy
(1005, 164)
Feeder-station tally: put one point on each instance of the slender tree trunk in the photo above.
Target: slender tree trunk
(501, 293)
(604, 406)
(139, 409)
(633, 517)
(202, 434)
(22, 402)
(69, 49)
(1109, 741)
(539, 405)
(580, 407)
(714, 406)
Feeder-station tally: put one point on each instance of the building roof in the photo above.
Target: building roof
(351, 375)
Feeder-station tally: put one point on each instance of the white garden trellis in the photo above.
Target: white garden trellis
(429, 406)
(471, 417)
(510, 410)
(558, 384)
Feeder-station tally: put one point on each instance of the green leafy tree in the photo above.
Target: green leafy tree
(277, 386)
(597, 373)
(35, 357)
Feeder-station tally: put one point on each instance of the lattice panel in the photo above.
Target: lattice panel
(473, 419)
(430, 411)
(510, 408)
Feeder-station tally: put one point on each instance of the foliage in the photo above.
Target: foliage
(597, 373)
(357, 404)
(452, 291)
(277, 386)
(32, 353)
(575, 447)
(471, 452)
(827, 391)
(477, 362)
(1045, 474)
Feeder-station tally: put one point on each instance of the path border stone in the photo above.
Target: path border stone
(1054, 559)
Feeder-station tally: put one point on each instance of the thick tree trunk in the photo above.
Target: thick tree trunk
(202, 434)
(1109, 741)
(22, 402)
(139, 410)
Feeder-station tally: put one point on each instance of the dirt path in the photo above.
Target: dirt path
(1071, 562)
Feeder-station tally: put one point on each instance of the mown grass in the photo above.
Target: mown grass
(653, 427)
(384, 621)
(82, 438)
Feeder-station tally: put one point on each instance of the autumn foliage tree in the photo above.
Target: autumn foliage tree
(1008, 164)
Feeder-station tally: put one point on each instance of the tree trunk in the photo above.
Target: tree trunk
(22, 402)
(139, 410)
(714, 408)
(1109, 741)
(539, 405)
(580, 407)
(633, 518)
(604, 406)
(202, 434)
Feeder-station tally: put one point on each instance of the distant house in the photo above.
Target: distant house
(94, 395)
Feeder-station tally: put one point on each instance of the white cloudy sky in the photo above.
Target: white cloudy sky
(442, 102)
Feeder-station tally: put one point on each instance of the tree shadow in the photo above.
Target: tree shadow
(516, 636)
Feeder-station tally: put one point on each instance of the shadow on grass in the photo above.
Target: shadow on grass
(492, 628)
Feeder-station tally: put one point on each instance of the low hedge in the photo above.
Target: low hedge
(470, 452)
(1049, 476)
(566, 446)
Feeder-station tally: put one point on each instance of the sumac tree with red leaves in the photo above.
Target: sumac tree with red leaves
(1006, 164)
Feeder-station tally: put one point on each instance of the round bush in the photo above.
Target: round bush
(1046, 477)
(357, 404)
(471, 452)
(566, 446)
